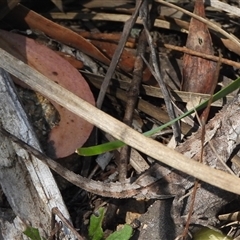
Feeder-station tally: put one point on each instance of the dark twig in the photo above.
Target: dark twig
(116, 56)
(158, 76)
(203, 121)
(134, 89)
(132, 96)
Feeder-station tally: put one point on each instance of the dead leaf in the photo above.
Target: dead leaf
(76, 63)
(230, 45)
(72, 131)
(198, 73)
(127, 60)
(108, 37)
(21, 16)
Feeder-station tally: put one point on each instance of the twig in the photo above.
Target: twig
(179, 96)
(165, 92)
(202, 122)
(112, 189)
(203, 55)
(133, 92)
(209, 23)
(132, 96)
(115, 59)
(56, 211)
(116, 56)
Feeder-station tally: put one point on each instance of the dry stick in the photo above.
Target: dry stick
(117, 54)
(202, 55)
(180, 96)
(159, 22)
(112, 190)
(132, 97)
(202, 122)
(115, 59)
(162, 85)
(119, 130)
(209, 23)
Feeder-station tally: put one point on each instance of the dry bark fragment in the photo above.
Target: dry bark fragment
(222, 135)
(27, 183)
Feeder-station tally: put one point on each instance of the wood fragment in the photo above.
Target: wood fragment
(27, 183)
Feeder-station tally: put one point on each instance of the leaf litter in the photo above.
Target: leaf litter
(144, 121)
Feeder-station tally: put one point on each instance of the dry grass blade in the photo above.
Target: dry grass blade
(209, 23)
(225, 7)
(117, 129)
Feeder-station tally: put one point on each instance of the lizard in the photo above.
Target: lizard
(158, 172)
(224, 129)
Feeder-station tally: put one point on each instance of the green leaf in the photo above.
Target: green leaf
(110, 146)
(210, 234)
(95, 231)
(123, 234)
(32, 233)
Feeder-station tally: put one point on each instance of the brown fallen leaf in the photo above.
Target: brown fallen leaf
(108, 37)
(21, 16)
(127, 59)
(76, 63)
(198, 73)
(72, 131)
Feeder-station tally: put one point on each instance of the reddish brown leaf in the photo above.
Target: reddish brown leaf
(76, 63)
(108, 37)
(198, 73)
(127, 59)
(72, 131)
(21, 15)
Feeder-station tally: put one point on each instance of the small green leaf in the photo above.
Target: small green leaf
(99, 149)
(95, 231)
(32, 233)
(106, 147)
(123, 234)
(210, 234)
